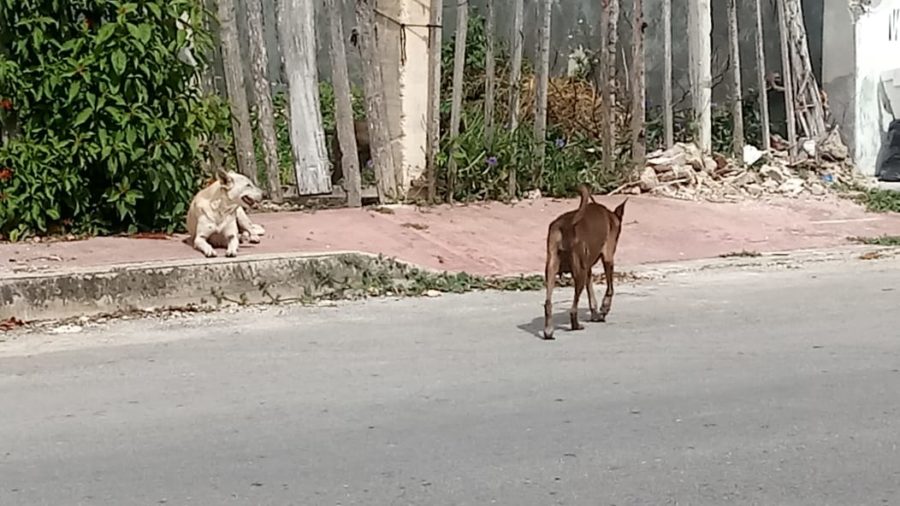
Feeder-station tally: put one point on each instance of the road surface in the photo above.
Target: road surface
(742, 387)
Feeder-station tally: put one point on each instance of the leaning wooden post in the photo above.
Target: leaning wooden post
(668, 115)
(787, 79)
(638, 86)
(761, 80)
(343, 106)
(609, 33)
(237, 93)
(298, 37)
(737, 103)
(489, 78)
(459, 62)
(376, 111)
(700, 56)
(265, 109)
(433, 134)
(515, 82)
(542, 79)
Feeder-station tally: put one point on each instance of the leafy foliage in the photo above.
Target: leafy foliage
(878, 200)
(483, 173)
(109, 126)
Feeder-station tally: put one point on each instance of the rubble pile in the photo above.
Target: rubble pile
(684, 172)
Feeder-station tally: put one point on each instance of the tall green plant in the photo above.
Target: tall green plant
(109, 122)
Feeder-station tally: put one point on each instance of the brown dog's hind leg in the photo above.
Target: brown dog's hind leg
(552, 269)
(578, 275)
(608, 296)
(592, 298)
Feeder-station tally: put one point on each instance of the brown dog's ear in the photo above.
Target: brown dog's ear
(620, 209)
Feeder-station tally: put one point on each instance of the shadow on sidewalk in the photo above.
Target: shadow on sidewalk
(560, 323)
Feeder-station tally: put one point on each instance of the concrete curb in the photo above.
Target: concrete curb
(279, 277)
(249, 279)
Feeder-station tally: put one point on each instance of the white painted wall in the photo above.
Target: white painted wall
(877, 64)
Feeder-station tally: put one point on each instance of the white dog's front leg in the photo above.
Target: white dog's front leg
(203, 245)
(233, 236)
(252, 230)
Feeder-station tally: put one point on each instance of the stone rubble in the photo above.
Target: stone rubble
(684, 172)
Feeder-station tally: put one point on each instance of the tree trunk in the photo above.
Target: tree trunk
(311, 164)
(376, 110)
(542, 78)
(515, 81)
(609, 33)
(737, 103)
(343, 106)
(489, 78)
(263, 91)
(237, 93)
(761, 79)
(638, 86)
(433, 134)
(786, 78)
(668, 119)
(459, 62)
(700, 56)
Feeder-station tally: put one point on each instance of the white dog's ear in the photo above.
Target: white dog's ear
(223, 177)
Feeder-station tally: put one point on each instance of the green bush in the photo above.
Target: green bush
(483, 174)
(109, 126)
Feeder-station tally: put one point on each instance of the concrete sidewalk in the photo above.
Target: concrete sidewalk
(304, 255)
(491, 239)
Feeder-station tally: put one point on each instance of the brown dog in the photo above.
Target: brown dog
(576, 240)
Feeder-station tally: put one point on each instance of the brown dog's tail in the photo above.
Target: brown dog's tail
(586, 198)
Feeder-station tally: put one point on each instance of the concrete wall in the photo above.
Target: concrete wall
(877, 79)
(839, 67)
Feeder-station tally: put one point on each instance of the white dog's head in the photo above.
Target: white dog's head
(239, 188)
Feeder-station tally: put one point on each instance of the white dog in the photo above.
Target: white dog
(217, 217)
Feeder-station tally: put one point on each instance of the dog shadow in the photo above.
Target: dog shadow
(560, 323)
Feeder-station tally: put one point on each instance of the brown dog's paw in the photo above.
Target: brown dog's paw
(598, 317)
(548, 336)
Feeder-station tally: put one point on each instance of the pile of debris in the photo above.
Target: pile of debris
(684, 172)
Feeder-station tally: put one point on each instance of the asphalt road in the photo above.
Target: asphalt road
(769, 388)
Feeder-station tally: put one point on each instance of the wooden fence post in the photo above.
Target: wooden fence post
(433, 134)
(638, 86)
(237, 93)
(343, 106)
(668, 119)
(264, 107)
(761, 80)
(515, 82)
(376, 111)
(786, 78)
(459, 62)
(489, 78)
(542, 78)
(298, 38)
(609, 33)
(700, 53)
(737, 101)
